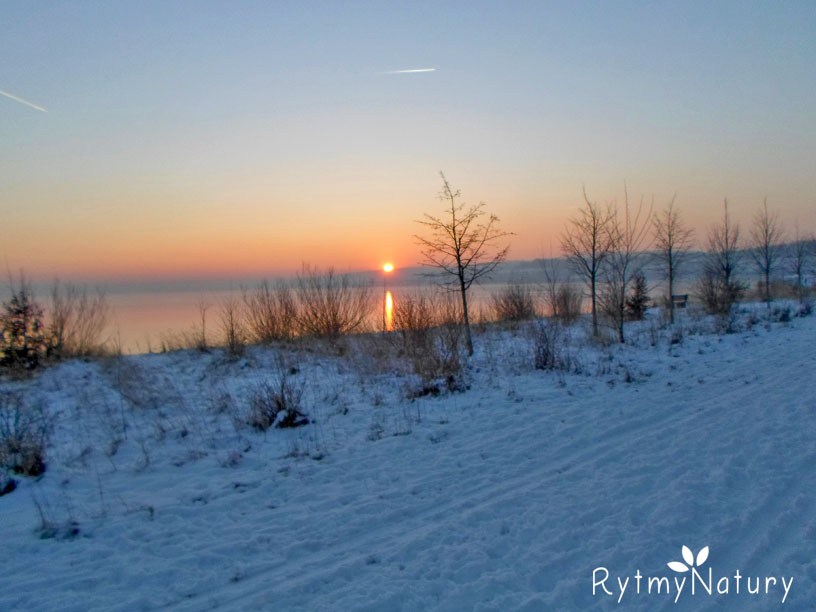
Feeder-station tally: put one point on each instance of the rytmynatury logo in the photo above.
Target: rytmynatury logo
(690, 579)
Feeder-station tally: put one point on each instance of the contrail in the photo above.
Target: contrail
(21, 101)
(411, 71)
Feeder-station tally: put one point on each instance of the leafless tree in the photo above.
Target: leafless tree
(586, 243)
(673, 240)
(719, 288)
(800, 261)
(465, 244)
(628, 234)
(766, 236)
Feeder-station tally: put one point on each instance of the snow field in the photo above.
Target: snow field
(504, 497)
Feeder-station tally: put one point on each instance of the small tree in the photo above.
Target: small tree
(22, 333)
(586, 243)
(627, 232)
(719, 288)
(800, 261)
(673, 240)
(638, 300)
(766, 236)
(463, 246)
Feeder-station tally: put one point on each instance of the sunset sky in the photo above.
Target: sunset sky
(196, 139)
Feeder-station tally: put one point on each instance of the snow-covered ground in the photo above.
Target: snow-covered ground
(504, 497)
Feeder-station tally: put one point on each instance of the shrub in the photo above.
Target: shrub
(77, 322)
(22, 334)
(432, 340)
(514, 302)
(331, 305)
(717, 294)
(271, 313)
(550, 350)
(563, 302)
(23, 437)
(7, 484)
(231, 325)
(277, 403)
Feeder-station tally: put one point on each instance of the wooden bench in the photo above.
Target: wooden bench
(680, 300)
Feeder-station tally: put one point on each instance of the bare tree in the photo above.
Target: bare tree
(673, 240)
(463, 246)
(719, 288)
(586, 243)
(628, 233)
(766, 236)
(800, 262)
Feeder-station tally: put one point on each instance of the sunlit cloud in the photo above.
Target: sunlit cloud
(21, 101)
(411, 71)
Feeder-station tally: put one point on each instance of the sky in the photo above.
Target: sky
(216, 139)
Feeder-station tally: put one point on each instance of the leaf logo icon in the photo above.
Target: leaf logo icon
(689, 559)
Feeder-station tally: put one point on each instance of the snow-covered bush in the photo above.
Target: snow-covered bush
(432, 340)
(7, 484)
(550, 345)
(23, 437)
(277, 402)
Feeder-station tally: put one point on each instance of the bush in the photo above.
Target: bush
(514, 302)
(331, 305)
(22, 334)
(550, 350)
(7, 484)
(23, 437)
(277, 403)
(717, 294)
(77, 322)
(271, 313)
(231, 325)
(432, 339)
(564, 303)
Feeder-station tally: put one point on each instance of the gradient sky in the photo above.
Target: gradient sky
(187, 139)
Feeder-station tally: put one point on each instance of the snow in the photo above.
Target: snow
(503, 497)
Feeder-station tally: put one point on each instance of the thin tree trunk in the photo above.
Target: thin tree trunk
(671, 296)
(594, 311)
(465, 317)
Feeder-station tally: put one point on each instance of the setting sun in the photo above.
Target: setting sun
(389, 267)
